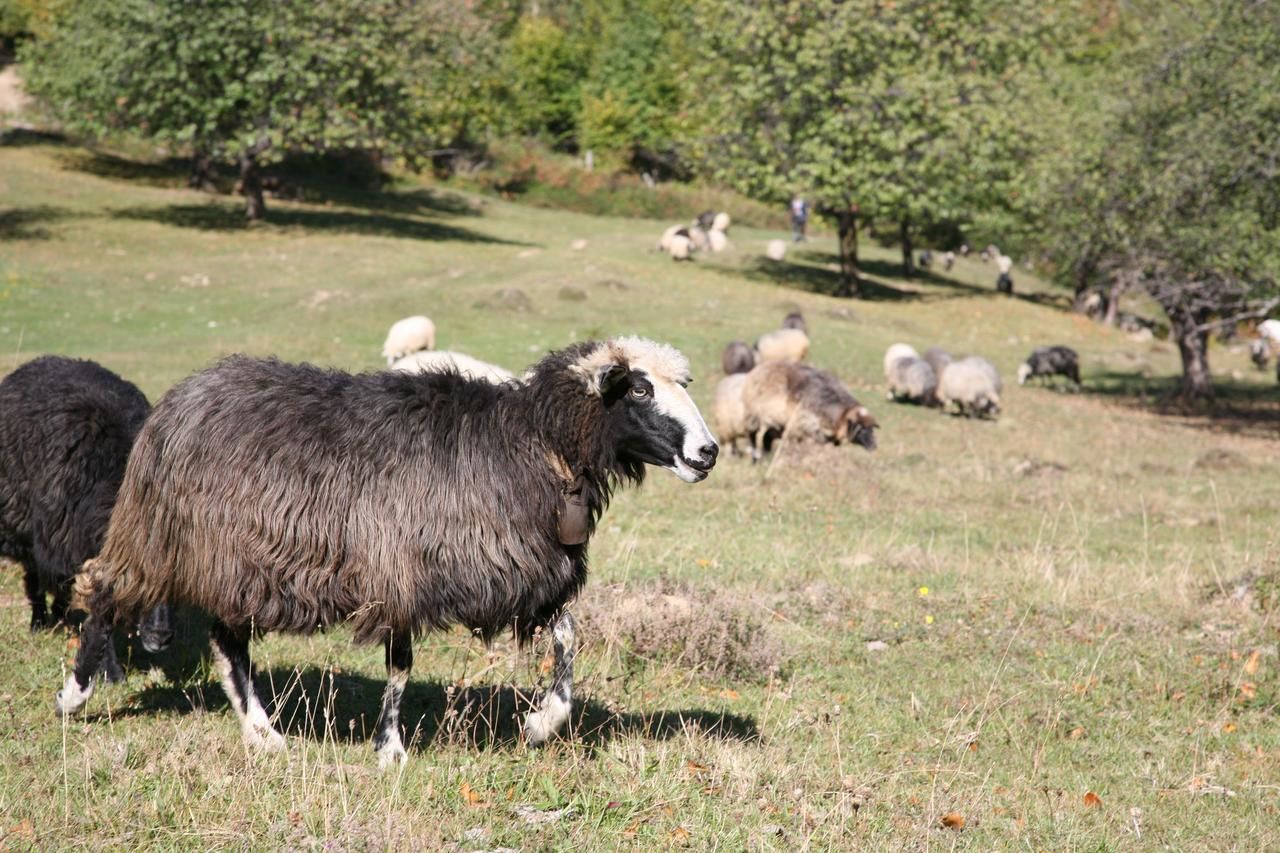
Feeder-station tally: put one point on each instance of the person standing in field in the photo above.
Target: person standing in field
(799, 218)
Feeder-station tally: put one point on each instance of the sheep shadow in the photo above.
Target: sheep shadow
(218, 216)
(28, 223)
(324, 704)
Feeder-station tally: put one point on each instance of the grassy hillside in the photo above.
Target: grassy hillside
(1058, 628)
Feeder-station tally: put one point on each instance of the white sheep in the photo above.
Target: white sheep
(701, 239)
(664, 242)
(1270, 331)
(439, 361)
(408, 336)
(988, 368)
(680, 248)
(786, 345)
(969, 385)
(895, 352)
(721, 222)
(913, 380)
(729, 413)
(776, 250)
(717, 240)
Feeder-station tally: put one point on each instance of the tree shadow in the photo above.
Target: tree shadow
(28, 223)
(321, 704)
(23, 137)
(1237, 408)
(218, 216)
(169, 173)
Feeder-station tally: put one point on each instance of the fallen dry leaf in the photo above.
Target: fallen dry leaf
(1251, 665)
(1092, 800)
(953, 820)
(1248, 690)
(470, 795)
(680, 835)
(23, 827)
(1229, 728)
(728, 693)
(1076, 733)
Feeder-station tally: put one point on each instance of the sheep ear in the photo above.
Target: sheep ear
(610, 375)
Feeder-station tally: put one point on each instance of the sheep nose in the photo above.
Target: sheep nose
(709, 452)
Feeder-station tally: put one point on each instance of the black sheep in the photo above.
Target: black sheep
(66, 428)
(1051, 361)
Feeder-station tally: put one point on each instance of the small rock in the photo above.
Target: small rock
(771, 829)
(877, 646)
(479, 834)
(533, 815)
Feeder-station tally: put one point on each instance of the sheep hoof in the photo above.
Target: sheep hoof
(391, 754)
(71, 698)
(540, 725)
(262, 739)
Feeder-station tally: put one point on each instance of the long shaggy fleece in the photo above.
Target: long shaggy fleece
(431, 501)
(66, 427)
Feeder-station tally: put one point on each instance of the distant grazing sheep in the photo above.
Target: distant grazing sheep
(1269, 330)
(776, 250)
(720, 223)
(700, 239)
(1050, 361)
(986, 367)
(717, 240)
(409, 335)
(795, 320)
(737, 358)
(284, 497)
(938, 359)
(728, 412)
(680, 248)
(895, 352)
(441, 361)
(783, 345)
(969, 386)
(911, 380)
(948, 260)
(664, 242)
(66, 428)
(1259, 353)
(802, 403)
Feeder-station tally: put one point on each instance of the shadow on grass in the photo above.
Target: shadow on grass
(1237, 408)
(218, 216)
(21, 137)
(312, 181)
(318, 704)
(28, 223)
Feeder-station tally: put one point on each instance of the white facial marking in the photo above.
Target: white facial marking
(71, 698)
(675, 402)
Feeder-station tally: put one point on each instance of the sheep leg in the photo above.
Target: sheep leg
(231, 658)
(39, 611)
(557, 703)
(95, 641)
(386, 742)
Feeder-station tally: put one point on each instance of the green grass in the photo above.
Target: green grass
(1071, 597)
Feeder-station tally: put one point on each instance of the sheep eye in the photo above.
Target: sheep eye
(639, 392)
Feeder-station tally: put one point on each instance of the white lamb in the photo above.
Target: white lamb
(776, 250)
(442, 360)
(664, 242)
(1269, 330)
(717, 240)
(680, 248)
(408, 336)
(787, 345)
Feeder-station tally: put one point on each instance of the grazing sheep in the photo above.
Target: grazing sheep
(442, 361)
(717, 240)
(728, 413)
(1050, 361)
(895, 352)
(912, 380)
(969, 385)
(795, 320)
(720, 223)
(737, 358)
(680, 248)
(412, 334)
(664, 242)
(1269, 330)
(66, 427)
(776, 250)
(802, 403)
(938, 359)
(283, 497)
(782, 345)
(986, 367)
(1259, 353)
(948, 260)
(705, 220)
(700, 239)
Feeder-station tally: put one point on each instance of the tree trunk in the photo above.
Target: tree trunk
(255, 206)
(1112, 317)
(850, 278)
(1193, 346)
(908, 263)
(201, 177)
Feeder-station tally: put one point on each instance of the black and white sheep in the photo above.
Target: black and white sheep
(282, 497)
(737, 358)
(66, 427)
(1050, 361)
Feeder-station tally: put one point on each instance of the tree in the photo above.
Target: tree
(872, 109)
(240, 81)
(1180, 195)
